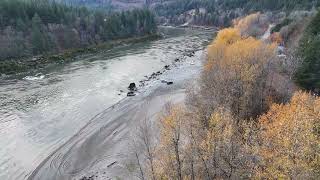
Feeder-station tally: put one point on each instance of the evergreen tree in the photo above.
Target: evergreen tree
(21, 26)
(39, 39)
(308, 75)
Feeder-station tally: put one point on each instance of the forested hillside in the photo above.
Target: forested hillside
(99, 4)
(222, 12)
(308, 75)
(111, 4)
(39, 26)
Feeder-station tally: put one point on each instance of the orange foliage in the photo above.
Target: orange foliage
(276, 38)
(252, 25)
(244, 23)
(238, 65)
(231, 48)
(231, 51)
(227, 36)
(170, 149)
(216, 49)
(247, 55)
(290, 144)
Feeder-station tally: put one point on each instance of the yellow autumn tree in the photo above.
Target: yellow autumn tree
(236, 72)
(211, 143)
(290, 139)
(170, 152)
(216, 49)
(252, 25)
(220, 148)
(188, 150)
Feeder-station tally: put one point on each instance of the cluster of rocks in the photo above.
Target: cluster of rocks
(133, 87)
(95, 175)
(190, 54)
(88, 178)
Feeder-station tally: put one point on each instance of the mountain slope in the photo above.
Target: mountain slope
(112, 4)
(221, 12)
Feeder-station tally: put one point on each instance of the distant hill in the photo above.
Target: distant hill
(114, 4)
(221, 12)
(200, 12)
(175, 6)
(88, 3)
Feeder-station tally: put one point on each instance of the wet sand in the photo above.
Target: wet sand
(102, 149)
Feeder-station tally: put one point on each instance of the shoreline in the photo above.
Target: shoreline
(205, 28)
(29, 64)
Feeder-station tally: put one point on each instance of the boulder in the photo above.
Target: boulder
(190, 55)
(130, 94)
(132, 87)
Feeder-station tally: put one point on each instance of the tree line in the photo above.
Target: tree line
(39, 26)
(107, 4)
(222, 12)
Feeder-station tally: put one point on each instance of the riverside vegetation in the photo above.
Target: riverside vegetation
(35, 27)
(246, 118)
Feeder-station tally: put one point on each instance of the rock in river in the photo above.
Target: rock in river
(130, 94)
(132, 87)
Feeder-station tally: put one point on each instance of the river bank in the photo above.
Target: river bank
(19, 65)
(40, 114)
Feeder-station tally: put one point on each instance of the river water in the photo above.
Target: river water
(40, 111)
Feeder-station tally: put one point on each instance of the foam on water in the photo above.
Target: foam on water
(34, 78)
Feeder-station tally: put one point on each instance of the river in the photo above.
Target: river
(41, 110)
